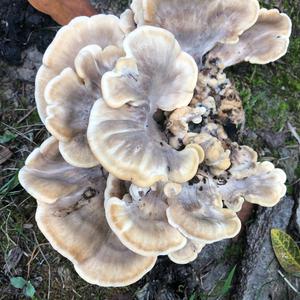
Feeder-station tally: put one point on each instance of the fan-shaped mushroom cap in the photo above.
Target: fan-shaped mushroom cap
(140, 222)
(172, 189)
(266, 41)
(46, 176)
(264, 185)
(122, 134)
(70, 97)
(215, 156)
(215, 130)
(115, 188)
(155, 71)
(188, 253)
(178, 122)
(197, 212)
(198, 25)
(101, 30)
(234, 204)
(73, 218)
(127, 21)
(243, 160)
(128, 144)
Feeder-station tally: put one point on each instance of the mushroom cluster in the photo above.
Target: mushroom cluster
(138, 163)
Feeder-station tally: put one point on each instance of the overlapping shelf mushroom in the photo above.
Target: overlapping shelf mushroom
(138, 164)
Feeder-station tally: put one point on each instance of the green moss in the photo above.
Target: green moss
(233, 251)
(271, 93)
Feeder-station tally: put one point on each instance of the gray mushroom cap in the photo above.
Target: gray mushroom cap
(70, 213)
(122, 134)
(198, 25)
(101, 30)
(266, 41)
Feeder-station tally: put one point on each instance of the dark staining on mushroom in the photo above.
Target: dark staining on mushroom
(222, 86)
(195, 127)
(206, 71)
(221, 181)
(131, 76)
(89, 193)
(214, 61)
(61, 213)
(160, 119)
(227, 111)
(194, 180)
(181, 145)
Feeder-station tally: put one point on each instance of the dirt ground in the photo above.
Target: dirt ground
(270, 96)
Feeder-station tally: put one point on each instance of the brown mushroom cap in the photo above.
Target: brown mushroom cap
(188, 253)
(216, 157)
(266, 41)
(215, 91)
(70, 97)
(73, 219)
(197, 212)
(101, 30)
(122, 132)
(139, 220)
(215, 130)
(209, 21)
(263, 185)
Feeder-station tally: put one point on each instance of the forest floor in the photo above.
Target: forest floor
(271, 98)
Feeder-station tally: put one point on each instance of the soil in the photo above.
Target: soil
(21, 27)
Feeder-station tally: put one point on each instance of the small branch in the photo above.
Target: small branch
(26, 115)
(294, 132)
(288, 282)
(49, 268)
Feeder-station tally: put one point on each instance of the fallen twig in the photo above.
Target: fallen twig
(288, 282)
(294, 132)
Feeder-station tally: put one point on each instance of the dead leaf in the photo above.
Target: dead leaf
(5, 154)
(63, 11)
(244, 215)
